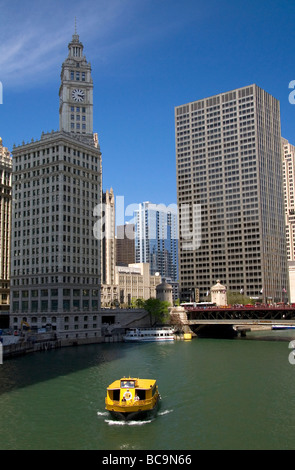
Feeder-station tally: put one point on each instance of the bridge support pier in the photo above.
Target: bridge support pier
(215, 331)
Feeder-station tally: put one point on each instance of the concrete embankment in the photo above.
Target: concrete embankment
(21, 346)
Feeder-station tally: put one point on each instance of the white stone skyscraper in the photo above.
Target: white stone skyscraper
(55, 257)
(5, 224)
(228, 155)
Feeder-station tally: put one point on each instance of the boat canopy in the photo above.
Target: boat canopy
(129, 383)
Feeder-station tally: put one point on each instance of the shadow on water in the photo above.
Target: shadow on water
(39, 367)
(43, 366)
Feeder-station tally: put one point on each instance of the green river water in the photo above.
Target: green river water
(216, 394)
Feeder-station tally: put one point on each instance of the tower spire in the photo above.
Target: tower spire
(75, 35)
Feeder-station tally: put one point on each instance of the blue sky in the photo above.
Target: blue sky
(147, 56)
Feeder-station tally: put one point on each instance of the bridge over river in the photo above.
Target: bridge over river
(229, 321)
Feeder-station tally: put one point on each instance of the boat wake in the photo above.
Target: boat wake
(113, 422)
(165, 412)
(104, 413)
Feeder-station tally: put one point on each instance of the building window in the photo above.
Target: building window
(76, 304)
(44, 305)
(25, 306)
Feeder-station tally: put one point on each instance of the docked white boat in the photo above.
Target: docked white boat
(149, 334)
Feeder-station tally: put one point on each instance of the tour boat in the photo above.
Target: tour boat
(131, 398)
(149, 334)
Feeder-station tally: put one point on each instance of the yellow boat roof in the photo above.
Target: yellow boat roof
(144, 384)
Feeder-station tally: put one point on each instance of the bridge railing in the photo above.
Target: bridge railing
(239, 313)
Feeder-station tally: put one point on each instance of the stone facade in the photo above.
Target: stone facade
(165, 292)
(219, 295)
(56, 242)
(5, 224)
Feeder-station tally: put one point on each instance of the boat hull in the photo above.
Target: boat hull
(148, 335)
(146, 340)
(135, 415)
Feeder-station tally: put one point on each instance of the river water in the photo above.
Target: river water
(216, 394)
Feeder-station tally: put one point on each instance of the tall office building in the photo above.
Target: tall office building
(125, 245)
(5, 223)
(108, 256)
(156, 239)
(55, 262)
(109, 289)
(288, 157)
(229, 171)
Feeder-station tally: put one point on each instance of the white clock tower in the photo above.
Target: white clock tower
(58, 282)
(76, 92)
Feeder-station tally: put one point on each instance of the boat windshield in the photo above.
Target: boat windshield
(127, 383)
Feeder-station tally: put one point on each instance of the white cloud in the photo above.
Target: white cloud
(34, 34)
(34, 39)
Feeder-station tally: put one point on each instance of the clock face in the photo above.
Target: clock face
(78, 95)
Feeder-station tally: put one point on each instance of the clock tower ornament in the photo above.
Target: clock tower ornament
(76, 93)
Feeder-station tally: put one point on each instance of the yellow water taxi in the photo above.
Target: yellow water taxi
(130, 398)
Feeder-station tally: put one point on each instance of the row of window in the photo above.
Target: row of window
(78, 126)
(55, 279)
(54, 293)
(78, 76)
(45, 305)
(53, 150)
